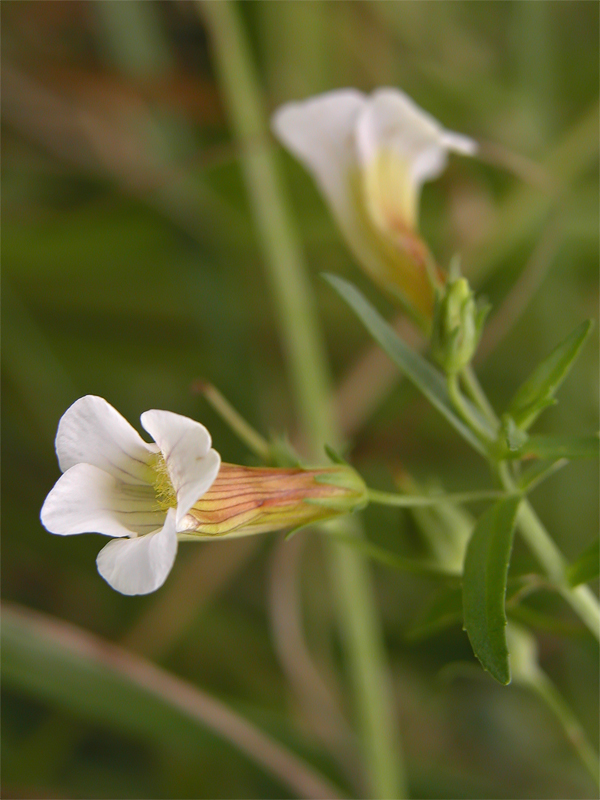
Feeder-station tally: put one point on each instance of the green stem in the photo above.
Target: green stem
(359, 620)
(544, 687)
(478, 396)
(464, 411)
(409, 501)
(243, 430)
(580, 598)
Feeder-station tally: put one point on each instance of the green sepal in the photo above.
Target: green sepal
(339, 506)
(282, 453)
(295, 530)
(334, 456)
(484, 586)
(587, 566)
(331, 479)
(538, 391)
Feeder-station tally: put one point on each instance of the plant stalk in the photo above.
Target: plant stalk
(411, 501)
(359, 622)
(580, 598)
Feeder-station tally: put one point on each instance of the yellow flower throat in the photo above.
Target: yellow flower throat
(165, 493)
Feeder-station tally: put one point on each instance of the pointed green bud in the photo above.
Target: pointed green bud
(457, 325)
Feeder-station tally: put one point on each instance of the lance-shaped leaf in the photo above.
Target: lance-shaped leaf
(424, 376)
(537, 393)
(587, 566)
(555, 447)
(484, 586)
(538, 472)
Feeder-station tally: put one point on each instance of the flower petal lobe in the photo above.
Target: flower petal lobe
(91, 431)
(191, 463)
(88, 500)
(140, 565)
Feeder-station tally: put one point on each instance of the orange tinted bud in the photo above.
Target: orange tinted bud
(245, 500)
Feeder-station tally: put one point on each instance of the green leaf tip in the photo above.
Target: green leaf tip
(334, 456)
(484, 586)
(587, 566)
(537, 393)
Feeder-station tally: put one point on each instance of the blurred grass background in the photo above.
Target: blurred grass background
(131, 269)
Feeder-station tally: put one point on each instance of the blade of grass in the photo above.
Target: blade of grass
(359, 622)
(70, 667)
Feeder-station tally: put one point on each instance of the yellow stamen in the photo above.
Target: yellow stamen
(165, 493)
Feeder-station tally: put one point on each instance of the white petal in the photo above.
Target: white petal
(185, 445)
(91, 431)
(459, 143)
(88, 500)
(141, 565)
(393, 121)
(320, 132)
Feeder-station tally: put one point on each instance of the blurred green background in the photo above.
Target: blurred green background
(131, 269)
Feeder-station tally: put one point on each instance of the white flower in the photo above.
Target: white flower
(117, 484)
(370, 156)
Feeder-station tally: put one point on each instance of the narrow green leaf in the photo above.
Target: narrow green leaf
(587, 566)
(555, 447)
(538, 390)
(484, 586)
(538, 472)
(424, 376)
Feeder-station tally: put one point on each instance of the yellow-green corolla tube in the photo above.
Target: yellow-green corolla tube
(247, 500)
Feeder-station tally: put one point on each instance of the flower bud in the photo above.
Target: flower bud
(246, 500)
(457, 326)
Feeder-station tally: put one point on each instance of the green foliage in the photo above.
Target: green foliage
(555, 447)
(425, 377)
(484, 586)
(586, 567)
(131, 269)
(537, 393)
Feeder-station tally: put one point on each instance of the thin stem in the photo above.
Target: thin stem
(410, 501)
(466, 414)
(544, 687)
(580, 598)
(244, 431)
(478, 396)
(359, 621)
